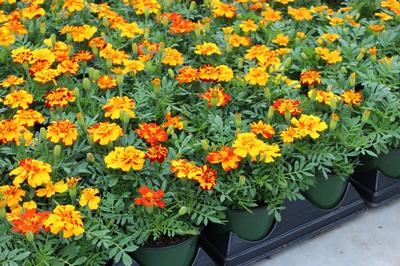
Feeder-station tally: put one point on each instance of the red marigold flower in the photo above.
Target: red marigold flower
(150, 197)
(30, 221)
(205, 175)
(151, 132)
(226, 156)
(157, 152)
(287, 105)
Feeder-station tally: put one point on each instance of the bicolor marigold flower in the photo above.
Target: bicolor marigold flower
(60, 97)
(182, 167)
(30, 221)
(216, 96)
(207, 48)
(151, 133)
(351, 97)
(79, 33)
(287, 105)
(309, 125)
(18, 99)
(205, 175)
(266, 130)
(172, 57)
(257, 76)
(116, 105)
(12, 131)
(46, 75)
(157, 152)
(106, 82)
(68, 67)
(310, 77)
(51, 189)
(105, 132)
(89, 197)
(187, 75)
(226, 156)
(247, 144)
(182, 26)
(150, 197)
(175, 121)
(36, 172)
(12, 195)
(65, 218)
(125, 158)
(62, 131)
(28, 117)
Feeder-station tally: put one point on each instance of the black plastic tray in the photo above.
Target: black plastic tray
(376, 188)
(201, 259)
(300, 220)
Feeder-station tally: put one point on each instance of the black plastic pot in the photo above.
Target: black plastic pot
(300, 220)
(378, 179)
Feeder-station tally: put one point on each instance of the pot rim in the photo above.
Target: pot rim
(244, 210)
(170, 246)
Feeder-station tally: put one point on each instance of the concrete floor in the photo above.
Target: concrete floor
(370, 239)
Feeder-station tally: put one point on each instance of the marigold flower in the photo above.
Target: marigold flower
(187, 75)
(79, 33)
(60, 97)
(309, 125)
(83, 56)
(172, 57)
(11, 81)
(287, 105)
(220, 9)
(216, 96)
(72, 181)
(182, 167)
(257, 76)
(106, 82)
(329, 36)
(65, 218)
(226, 157)
(21, 55)
(237, 40)
(46, 75)
(207, 48)
(281, 39)
(105, 132)
(151, 132)
(289, 134)
(30, 221)
(310, 77)
(36, 172)
(12, 131)
(182, 26)
(224, 73)
(248, 25)
(68, 67)
(269, 152)
(266, 130)
(90, 198)
(157, 152)
(205, 175)
(18, 99)
(383, 16)
(301, 13)
(271, 15)
(376, 28)
(247, 144)
(116, 105)
(73, 5)
(150, 197)
(51, 189)
(175, 121)
(12, 195)
(62, 131)
(28, 118)
(325, 97)
(125, 158)
(351, 97)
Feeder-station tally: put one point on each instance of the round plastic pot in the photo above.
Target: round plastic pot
(181, 254)
(327, 193)
(388, 164)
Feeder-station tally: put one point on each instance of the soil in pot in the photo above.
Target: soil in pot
(167, 251)
(327, 193)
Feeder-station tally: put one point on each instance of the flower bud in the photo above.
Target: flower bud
(95, 50)
(109, 63)
(70, 50)
(267, 93)
(303, 55)
(90, 139)
(81, 120)
(197, 31)
(361, 54)
(146, 13)
(270, 114)
(53, 39)
(165, 21)
(214, 101)
(240, 62)
(105, 22)
(69, 37)
(334, 119)
(57, 151)
(76, 92)
(352, 79)
(343, 70)
(288, 116)
(29, 236)
(124, 117)
(134, 48)
(238, 120)
(242, 180)
(365, 116)
(43, 133)
(146, 33)
(288, 61)
(161, 47)
(120, 80)
(170, 130)
(86, 84)
(171, 73)
(182, 210)
(333, 104)
(42, 28)
(90, 157)
(204, 144)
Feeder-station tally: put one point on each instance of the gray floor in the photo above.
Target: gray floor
(371, 239)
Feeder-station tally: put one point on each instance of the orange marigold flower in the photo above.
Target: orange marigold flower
(150, 197)
(46, 75)
(266, 130)
(28, 117)
(18, 99)
(106, 82)
(36, 172)
(205, 175)
(116, 105)
(207, 48)
(62, 131)
(51, 189)
(287, 105)
(216, 96)
(10, 130)
(182, 26)
(30, 221)
(237, 40)
(226, 156)
(98, 42)
(248, 25)
(151, 132)
(157, 152)
(182, 167)
(326, 97)
(208, 73)
(79, 33)
(73, 5)
(309, 125)
(12, 81)
(310, 77)
(172, 57)
(281, 39)
(187, 75)
(68, 67)
(175, 121)
(105, 132)
(301, 13)
(220, 9)
(60, 97)
(89, 197)
(376, 28)
(352, 97)
(12, 195)
(257, 75)
(83, 56)
(271, 15)
(125, 158)
(65, 218)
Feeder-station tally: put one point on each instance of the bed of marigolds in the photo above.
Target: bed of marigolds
(123, 121)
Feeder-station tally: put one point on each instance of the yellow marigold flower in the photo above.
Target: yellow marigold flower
(28, 117)
(134, 66)
(309, 125)
(237, 40)
(125, 158)
(79, 33)
(332, 57)
(46, 75)
(117, 104)
(18, 99)
(257, 75)
(12, 81)
(281, 39)
(301, 13)
(7, 37)
(12, 195)
(271, 15)
(106, 82)
(248, 25)
(73, 5)
(269, 152)
(72, 181)
(285, 2)
(42, 54)
(65, 218)
(62, 131)
(289, 134)
(29, 205)
(266, 130)
(220, 9)
(300, 35)
(336, 21)
(247, 144)
(89, 197)
(207, 48)
(21, 55)
(11, 131)
(182, 167)
(130, 30)
(351, 97)
(105, 132)
(36, 172)
(172, 57)
(51, 189)
(329, 36)
(32, 11)
(60, 97)
(383, 16)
